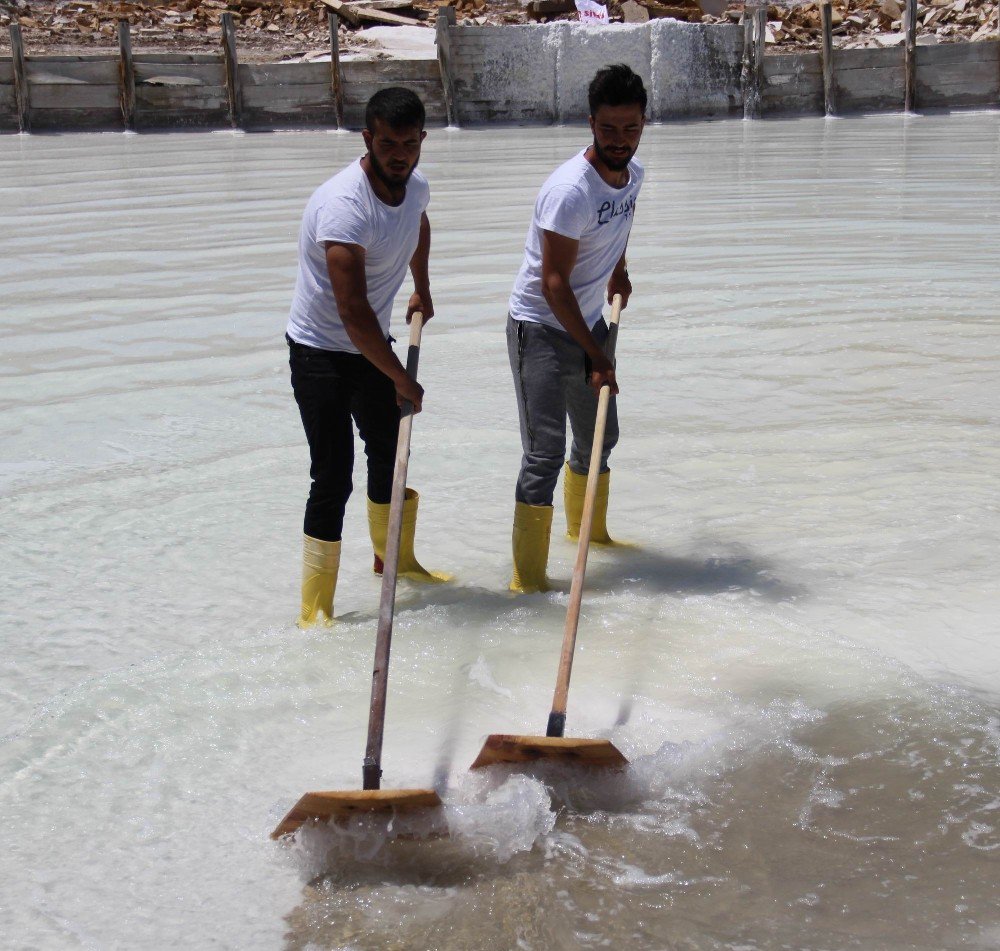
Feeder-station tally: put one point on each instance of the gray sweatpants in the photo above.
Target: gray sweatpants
(550, 380)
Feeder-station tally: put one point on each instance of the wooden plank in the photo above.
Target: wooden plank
(985, 51)
(385, 17)
(77, 120)
(362, 92)
(396, 5)
(550, 7)
(179, 59)
(83, 97)
(273, 98)
(870, 90)
(100, 72)
(389, 72)
(207, 74)
(197, 98)
(126, 75)
(343, 10)
(792, 64)
(973, 75)
(805, 105)
(79, 60)
(283, 74)
(847, 60)
(872, 82)
(958, 96)
(793, 84)
(288, 116)
(184, 120)
(6, 72)
(8, 105)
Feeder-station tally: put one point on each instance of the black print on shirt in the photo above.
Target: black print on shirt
(610, 210)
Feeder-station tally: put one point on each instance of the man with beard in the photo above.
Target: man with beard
(574, 260)
(360, 232)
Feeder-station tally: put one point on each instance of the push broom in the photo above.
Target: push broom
(554, 746)
(339, 804)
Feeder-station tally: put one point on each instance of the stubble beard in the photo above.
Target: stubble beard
(613, 163)
(386, 177)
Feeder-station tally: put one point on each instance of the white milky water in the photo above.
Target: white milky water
(800, 659)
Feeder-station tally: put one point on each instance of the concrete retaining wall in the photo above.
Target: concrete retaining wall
(529, 74)
(512, 74)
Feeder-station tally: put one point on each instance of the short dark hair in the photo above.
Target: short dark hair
(397, 107)
(616, 85)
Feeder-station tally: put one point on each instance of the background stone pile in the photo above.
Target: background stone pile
(274, 28)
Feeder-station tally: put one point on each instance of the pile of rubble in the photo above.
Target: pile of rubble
(276, 29)
(874, 23)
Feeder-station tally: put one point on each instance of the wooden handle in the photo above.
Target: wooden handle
(557, 718)
(372, 770)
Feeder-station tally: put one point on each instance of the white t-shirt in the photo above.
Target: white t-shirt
(577, 203)
(346, 209)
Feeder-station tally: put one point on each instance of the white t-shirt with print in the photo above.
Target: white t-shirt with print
(346, 209)
(577, 203)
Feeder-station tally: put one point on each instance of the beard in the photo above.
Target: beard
(614, 162)
(392, 179)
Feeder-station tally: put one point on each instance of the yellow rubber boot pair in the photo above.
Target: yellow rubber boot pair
(530, 542)
(320, 566)
(574, 491)
(378, 528)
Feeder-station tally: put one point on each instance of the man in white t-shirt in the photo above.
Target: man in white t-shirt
(574, 261)
(360, 233)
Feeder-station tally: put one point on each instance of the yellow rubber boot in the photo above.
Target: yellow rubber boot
(320, 565)
(378, 528)
(574, 491)
(530, 541)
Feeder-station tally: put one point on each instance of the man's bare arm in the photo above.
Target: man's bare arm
(419, 268)
(558, 260)
(619, 282)
(346, 266)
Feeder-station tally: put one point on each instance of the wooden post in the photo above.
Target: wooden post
(910, 61)
(336, 78)
(20, 79)
(126, 75)
(760, 30)
(446, 18)
(232, 71)
(746, 73)
(754, 26)
(829, 87)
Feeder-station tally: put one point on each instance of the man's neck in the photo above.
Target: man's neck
(616, 179)
(386, 193)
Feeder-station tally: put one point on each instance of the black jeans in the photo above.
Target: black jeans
(332, 388)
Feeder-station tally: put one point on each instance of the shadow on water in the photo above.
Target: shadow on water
(648, 570)
(627, 569)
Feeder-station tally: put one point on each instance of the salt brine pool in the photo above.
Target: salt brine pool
(800, 658)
